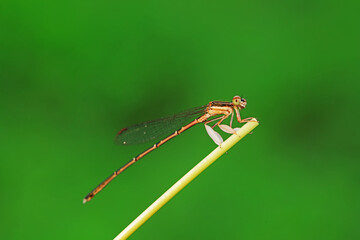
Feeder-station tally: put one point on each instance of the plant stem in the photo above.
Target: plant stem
(187, 178)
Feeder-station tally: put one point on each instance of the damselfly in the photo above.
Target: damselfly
(178, 123)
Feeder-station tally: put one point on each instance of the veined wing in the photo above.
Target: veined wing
(151, 130)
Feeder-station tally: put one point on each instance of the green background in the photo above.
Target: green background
(73, 73)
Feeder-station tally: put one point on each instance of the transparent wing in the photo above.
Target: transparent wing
(151, 130)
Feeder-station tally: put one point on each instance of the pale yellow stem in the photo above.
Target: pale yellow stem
(187, 178)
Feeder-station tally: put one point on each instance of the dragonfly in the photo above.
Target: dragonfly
(176, 124)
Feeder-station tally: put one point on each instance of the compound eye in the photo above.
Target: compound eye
(236, 100)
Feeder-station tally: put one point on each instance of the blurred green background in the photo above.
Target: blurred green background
(73, 73)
